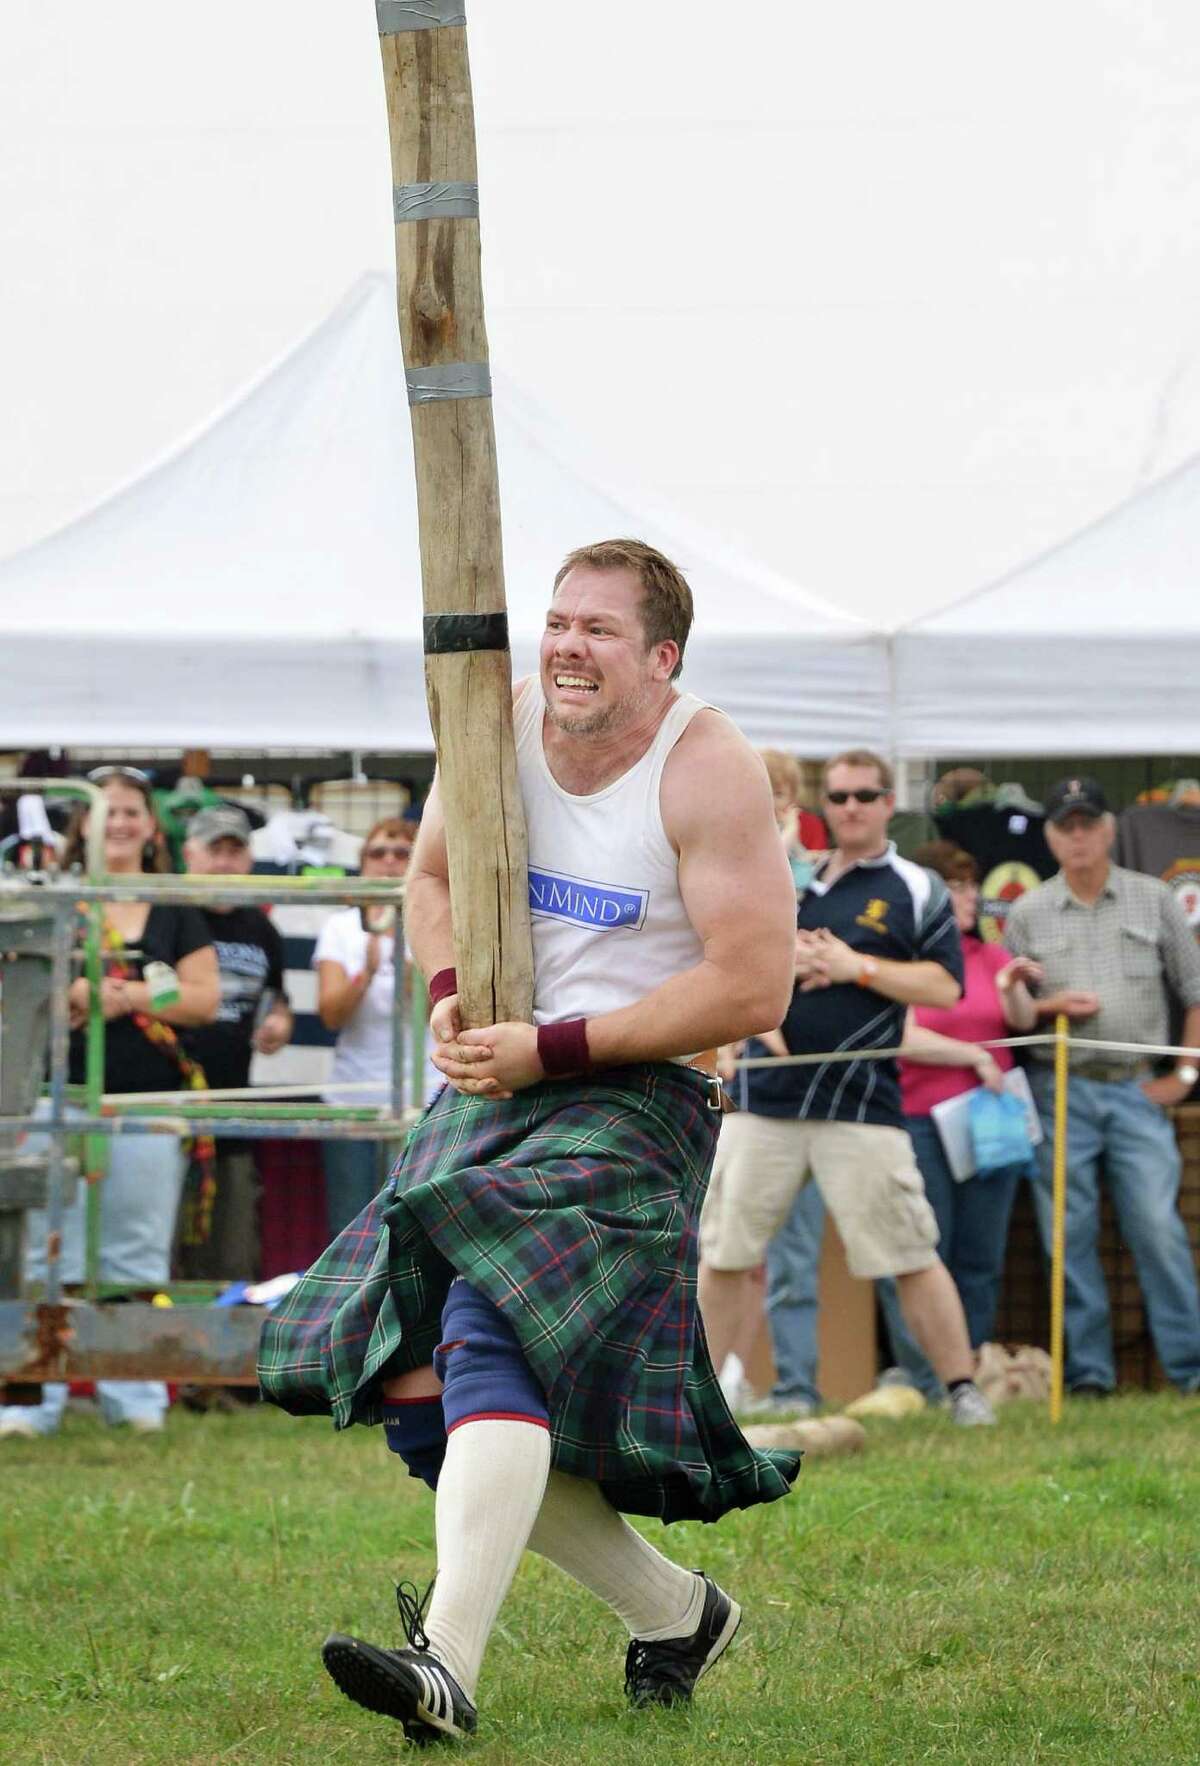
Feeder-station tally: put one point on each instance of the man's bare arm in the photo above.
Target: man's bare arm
(823, 960)
(427, 920)
(427, 923)
(737, 888)
(914, 984)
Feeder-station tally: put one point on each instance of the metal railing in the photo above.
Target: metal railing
(53, 1337)
(1060, 1040)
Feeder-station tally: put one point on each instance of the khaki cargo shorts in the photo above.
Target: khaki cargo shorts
(867, 1175)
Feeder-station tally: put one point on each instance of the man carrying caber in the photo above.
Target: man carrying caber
(518, 1305)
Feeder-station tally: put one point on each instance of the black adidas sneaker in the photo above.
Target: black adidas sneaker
(664, 1673)
(410, 1685)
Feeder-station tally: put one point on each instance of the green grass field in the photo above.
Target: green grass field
(1015, 1595)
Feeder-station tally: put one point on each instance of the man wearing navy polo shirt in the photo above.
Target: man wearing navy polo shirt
(875, 935)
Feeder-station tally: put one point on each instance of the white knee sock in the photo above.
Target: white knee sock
(578, 1529)
(488, 1496)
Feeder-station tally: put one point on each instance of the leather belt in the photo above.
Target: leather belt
(706, 1065)
(1110, 1072)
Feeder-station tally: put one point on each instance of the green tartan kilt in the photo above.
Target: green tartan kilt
(573, 1206)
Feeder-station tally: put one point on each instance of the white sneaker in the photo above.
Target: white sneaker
(894, 1376)
(969, 1408)
(15, 1422)
(732, 1380)
(768, 1408)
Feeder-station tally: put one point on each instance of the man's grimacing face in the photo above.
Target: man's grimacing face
(597, 674)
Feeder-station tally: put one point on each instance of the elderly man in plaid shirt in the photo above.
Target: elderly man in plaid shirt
(518, 1306)
(1111, 943)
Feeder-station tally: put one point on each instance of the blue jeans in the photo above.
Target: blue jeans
(793, 1270)
(972, 1222)
(1114, 1124)
(139, 1199)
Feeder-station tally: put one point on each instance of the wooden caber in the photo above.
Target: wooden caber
(468, 669)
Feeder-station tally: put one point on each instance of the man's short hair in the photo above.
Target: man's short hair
(861, 757)
(783, 770)
(666, 610)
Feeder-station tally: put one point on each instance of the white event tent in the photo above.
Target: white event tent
(259, 588)
(1093, 647)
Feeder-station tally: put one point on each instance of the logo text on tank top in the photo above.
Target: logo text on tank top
(600, 906)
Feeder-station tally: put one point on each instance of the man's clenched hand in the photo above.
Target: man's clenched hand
(492, 1063)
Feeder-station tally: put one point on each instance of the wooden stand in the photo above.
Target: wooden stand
(440, 305)
(846, 1330)
(847, 1350)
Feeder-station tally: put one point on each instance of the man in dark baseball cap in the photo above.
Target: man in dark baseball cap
(1070, 797)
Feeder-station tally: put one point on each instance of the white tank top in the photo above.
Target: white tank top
(609, 924)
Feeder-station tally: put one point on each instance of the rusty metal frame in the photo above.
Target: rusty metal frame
(57, 1337)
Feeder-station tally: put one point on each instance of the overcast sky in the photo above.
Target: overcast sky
(892, 296)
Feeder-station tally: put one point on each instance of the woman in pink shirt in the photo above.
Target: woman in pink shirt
(943, 1060)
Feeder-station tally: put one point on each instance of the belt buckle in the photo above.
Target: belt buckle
(706, 1066)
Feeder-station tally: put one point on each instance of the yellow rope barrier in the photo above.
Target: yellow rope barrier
(1058, 1236)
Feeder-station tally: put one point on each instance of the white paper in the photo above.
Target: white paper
(951, 1119)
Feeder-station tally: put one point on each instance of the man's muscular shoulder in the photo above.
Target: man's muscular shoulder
(712, 773)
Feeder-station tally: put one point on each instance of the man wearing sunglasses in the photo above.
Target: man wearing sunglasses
(875, 935)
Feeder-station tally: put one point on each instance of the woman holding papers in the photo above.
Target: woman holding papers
(944, 1059)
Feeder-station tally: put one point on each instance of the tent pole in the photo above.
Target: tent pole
(468, 670)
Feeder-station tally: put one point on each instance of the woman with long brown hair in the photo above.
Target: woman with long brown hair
(139, 1196)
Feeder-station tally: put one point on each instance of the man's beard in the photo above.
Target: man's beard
(597, 723)
(584, 723)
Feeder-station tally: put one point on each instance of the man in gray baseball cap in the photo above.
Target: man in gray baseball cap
(224, 822)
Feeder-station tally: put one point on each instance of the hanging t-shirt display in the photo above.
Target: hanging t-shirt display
(1009, 846)
(1164, 842)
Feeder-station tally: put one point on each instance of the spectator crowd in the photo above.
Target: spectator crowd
(188, 996)
(1017, 913)
(910, 954)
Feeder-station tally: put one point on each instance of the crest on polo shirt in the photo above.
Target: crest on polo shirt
(1003, 885)
(874, 916)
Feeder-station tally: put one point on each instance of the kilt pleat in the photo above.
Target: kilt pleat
(573, 1206)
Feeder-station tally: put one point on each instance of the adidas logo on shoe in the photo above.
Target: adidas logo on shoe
(410, 1684)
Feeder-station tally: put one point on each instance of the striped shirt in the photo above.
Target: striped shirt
(883, 907)
(1129, 946)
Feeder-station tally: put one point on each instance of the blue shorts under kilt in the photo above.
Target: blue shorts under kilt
(573, 1208)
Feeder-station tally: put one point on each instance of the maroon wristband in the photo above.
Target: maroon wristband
(563, 1048)
(443, 983)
